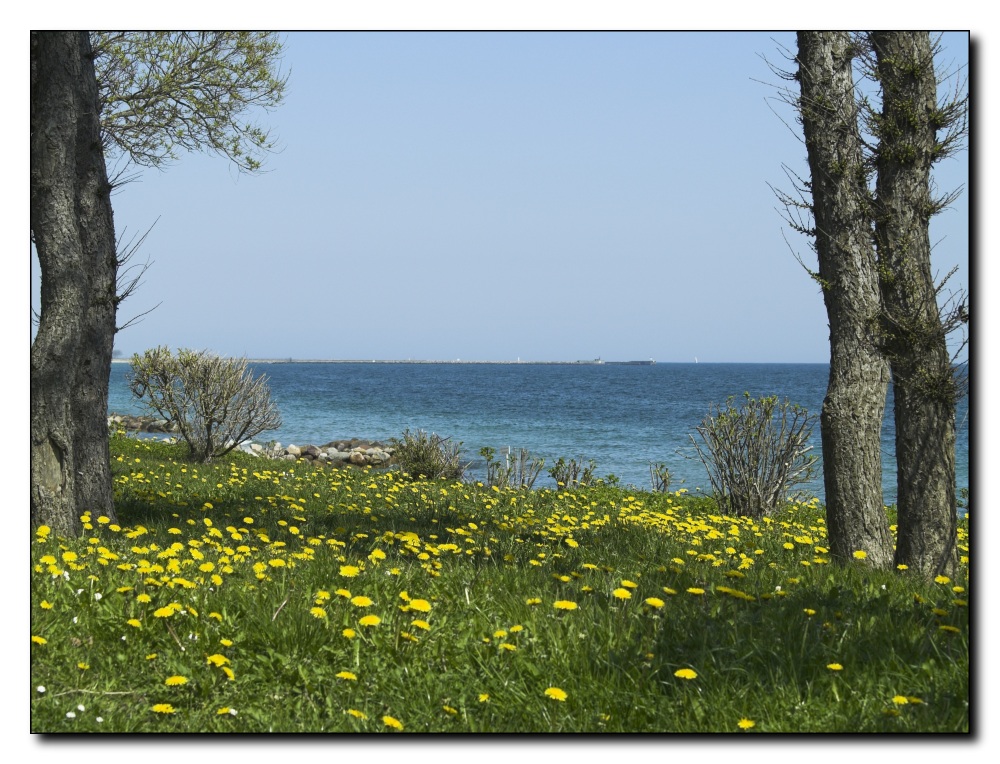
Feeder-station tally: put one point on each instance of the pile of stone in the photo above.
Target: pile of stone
(355, 451)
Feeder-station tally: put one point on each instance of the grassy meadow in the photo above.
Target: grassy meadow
(251, 595)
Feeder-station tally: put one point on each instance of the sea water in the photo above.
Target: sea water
(624, 417)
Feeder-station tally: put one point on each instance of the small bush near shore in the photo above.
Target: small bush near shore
(430, 457)
(250, 595)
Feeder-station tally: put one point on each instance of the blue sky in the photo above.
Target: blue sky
(492, 196)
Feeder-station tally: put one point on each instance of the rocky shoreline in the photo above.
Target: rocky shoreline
(357, 452)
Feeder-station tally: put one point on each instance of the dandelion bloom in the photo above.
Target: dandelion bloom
(422, 605)
(900, 700)
(39, 640)
(357, 714)
(686, 673)
(484, 697)
(622, 594)
(317, 612)
(420, 624)
(556, 694)
(347, 675)
(361, 601)
(564, 605)
(370, 620)
(745, 724)
(226, 710)
(834, 667)
(163, 612)
(349, 633)
(390, 721)
(349, 571)
(533, 601)
(218, 660)
(163, 708)
(937, 579)
(860, 554)
(134, 623)
(629, 584)
(654, 602)
(695, 590)
(175, 681)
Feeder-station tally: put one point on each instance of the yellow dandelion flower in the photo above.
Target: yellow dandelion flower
(163, 708)
(349, 571)
(834, 667)
(421, 625)
(163, 612)
(218, 660)
(695, 590)
(745, 724)
(686, 673)
(629, 584)
(175, 681)
(900, 700)
(370, 620)
(556, 694)
(422, 605)
(361, 601)
(39, 640)
(349, 633)
(348, 676)
(860, 554)
(317, 612)
(392, 722)
(484, 697)
(937, 579)
(622, 594)
(654, 602)
(564, 605)
(134, 623)
(533, 601)
(357, 714)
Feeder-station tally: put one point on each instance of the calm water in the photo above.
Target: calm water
(623, 417)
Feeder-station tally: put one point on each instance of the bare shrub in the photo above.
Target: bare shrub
(755, 454)
(659, 477)
(216, 403)
(518, 470)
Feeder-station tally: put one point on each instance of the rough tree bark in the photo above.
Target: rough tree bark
(851, 418)
(72, 229)
(923, 383)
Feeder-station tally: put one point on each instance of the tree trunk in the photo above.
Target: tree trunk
(851, 419)
(924, 387)
(73, 232)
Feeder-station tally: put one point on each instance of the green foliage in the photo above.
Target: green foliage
(215, 402)
(573, 474)
(755, 454)
(518, 470)
(162, 92)
(423, 456)
(263, 565)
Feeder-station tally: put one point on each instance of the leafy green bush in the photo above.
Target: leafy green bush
(423, 456)
(215, 402)
(573, 474)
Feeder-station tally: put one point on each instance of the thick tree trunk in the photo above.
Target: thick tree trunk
(923, 381)
(73, 232)
(851, 419)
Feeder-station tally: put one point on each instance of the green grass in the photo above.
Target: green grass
(238, 576)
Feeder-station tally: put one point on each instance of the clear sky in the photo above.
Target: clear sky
(493, 196)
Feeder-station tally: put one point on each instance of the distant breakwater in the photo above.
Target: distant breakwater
(357, 452)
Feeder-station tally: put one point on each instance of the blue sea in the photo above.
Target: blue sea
(622, 416)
